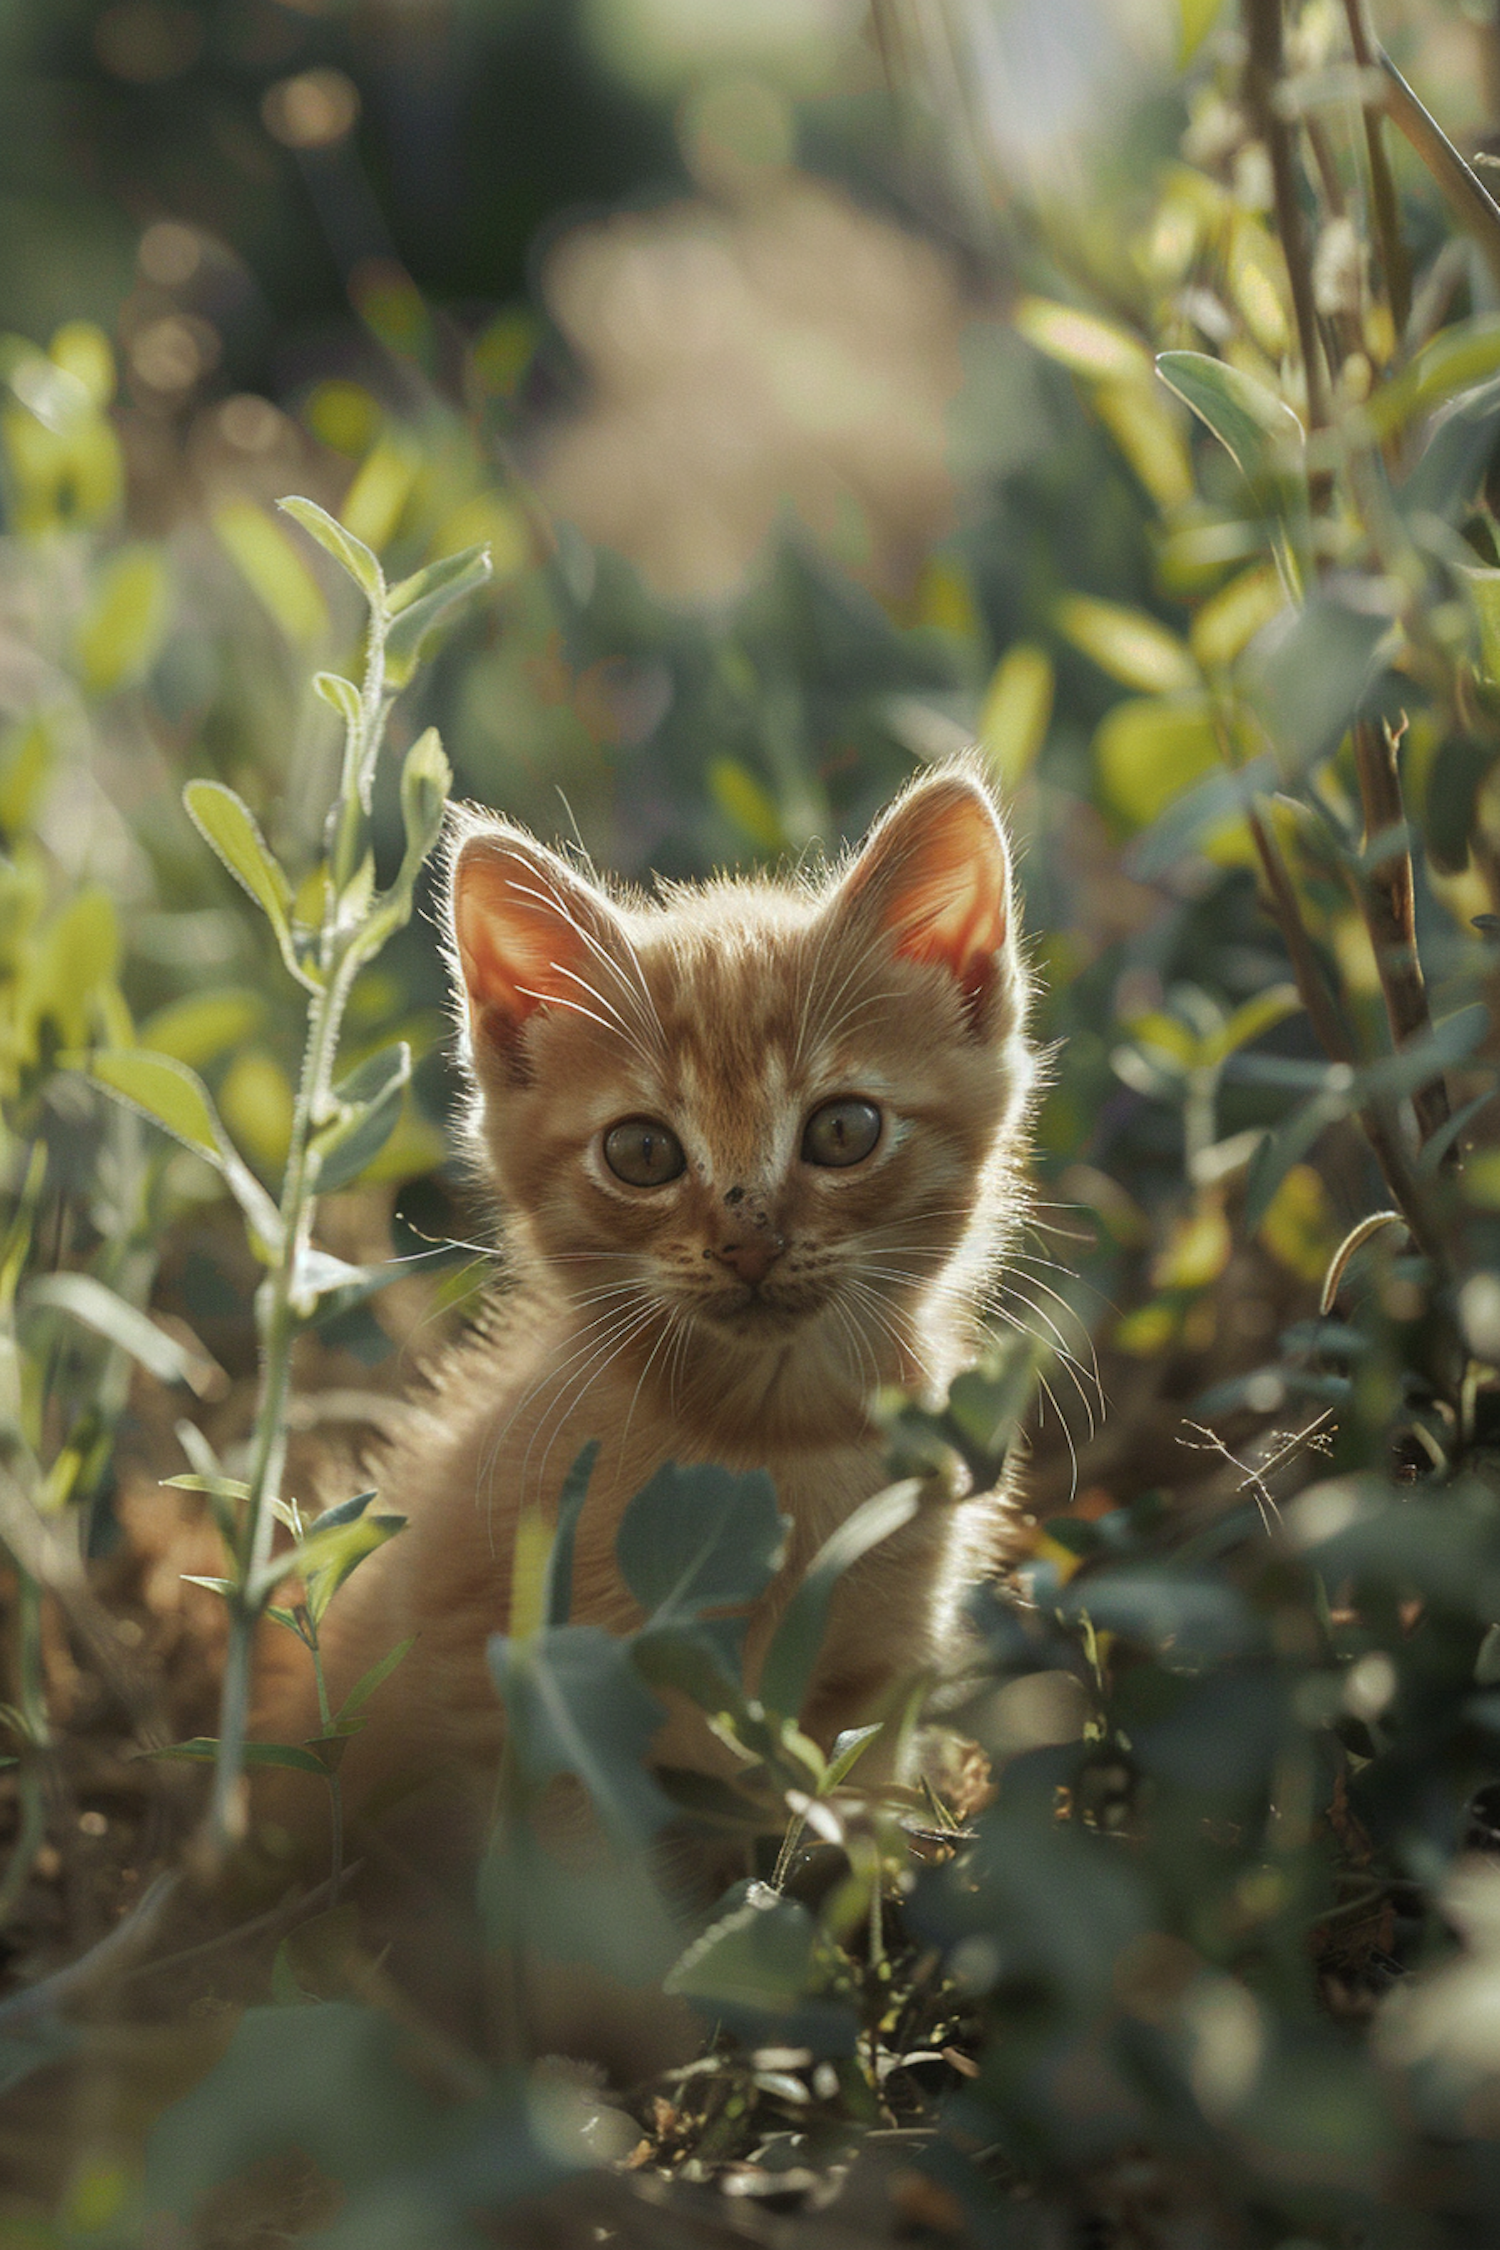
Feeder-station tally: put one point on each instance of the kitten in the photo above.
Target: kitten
(757, 1147)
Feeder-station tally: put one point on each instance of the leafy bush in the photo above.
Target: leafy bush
(1219, 1943)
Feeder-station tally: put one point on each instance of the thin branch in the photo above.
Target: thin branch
(1471, 202)
(1385, 894)
(1333, 1035)
(1263, 74)
(1384, 209)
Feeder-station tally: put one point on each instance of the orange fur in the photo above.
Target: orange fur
(746, 1311)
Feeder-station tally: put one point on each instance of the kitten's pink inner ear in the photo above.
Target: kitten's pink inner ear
(944, 892)
(518, 943)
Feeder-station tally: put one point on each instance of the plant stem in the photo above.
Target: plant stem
(279, 1312)
(335, 1786)
(32, 1704)
(1334, 1038)
(1263, 73)
(1393, 258)
(1469, 199)
(1385, 893)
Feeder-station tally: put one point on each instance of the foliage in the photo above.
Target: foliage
(1227, 631)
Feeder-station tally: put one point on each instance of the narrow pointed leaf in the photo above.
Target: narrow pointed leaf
(227, 825)
(86, 1299)
(557, 1579)
(793, 1653)
(370, 1099)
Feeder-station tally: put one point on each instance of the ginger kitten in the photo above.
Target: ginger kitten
(757, 1147)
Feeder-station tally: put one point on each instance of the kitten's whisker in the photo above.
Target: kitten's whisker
(1070, 1361)
(624, 1328)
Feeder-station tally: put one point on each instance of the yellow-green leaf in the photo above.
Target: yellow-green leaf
(256, 1100)
(1082, 341)
(226, 823)
(1127, 643)
(350, 553)
(274, 570)
(1016, 711)
(122, 630)
(1146, 431)
(1230, 619)
(1149, 751)
(165, 1091)
(203, 1026)
(751, 808)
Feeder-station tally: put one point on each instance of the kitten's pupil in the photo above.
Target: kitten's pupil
(841, 1133)
(643, 1152)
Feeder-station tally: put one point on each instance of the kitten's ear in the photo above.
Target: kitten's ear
(935, 876)
(526, 928)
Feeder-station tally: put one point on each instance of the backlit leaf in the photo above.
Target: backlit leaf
(274, 570)
(1082, 341)
(352, 555)
(793, 1653)
(1016, 711)
(1127, 643)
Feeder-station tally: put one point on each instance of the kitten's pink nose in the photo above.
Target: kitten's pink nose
(754, 1255)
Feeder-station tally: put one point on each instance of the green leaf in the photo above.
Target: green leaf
(1264, 439)
(222, 1586)
(1250, 422)
(122, 631)
(417, 604)
(793, 1653)
(1306, 675)
(694, 1542)
(341, 694)
(370, 1102)
(698, 1539)
(339, 1541)
(204, 1025)
(747, 804)
(426, 778)
(575, 1705)
(1016, 712)
(222, 1488)
(848, 1750)
(175, 1098)
(203, 1749)
(227, 825)
(336, 2083)
(165, 1091)
(1097, 349)
(1132, 646)
(557, 1579)
(379, 1672)
(1149, 751)
(87, 1300)
(351, 554)
(273, 569)
(758, 1968)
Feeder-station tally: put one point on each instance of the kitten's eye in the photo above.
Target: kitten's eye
(841, 1133)
(643, 1152)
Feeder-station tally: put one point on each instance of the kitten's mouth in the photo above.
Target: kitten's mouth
(750, 1311)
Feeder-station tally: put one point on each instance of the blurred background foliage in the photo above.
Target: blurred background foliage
(795, 363)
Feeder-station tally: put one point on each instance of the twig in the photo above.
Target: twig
(1385, 894)
(1328, 1025)
(1263, 73)
(1384, 209)
(1471, 202)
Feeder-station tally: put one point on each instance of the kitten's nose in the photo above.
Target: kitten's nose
(753, 1256)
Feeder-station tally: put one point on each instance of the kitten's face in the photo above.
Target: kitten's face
(754, 1115)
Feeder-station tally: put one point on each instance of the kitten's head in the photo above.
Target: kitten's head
(757, 1126)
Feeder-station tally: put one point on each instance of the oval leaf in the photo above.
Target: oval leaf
(350, 553)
